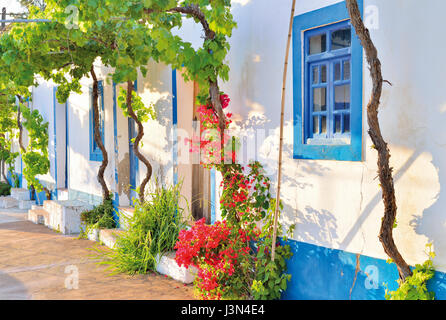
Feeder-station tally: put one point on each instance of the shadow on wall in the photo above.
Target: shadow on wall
(319, 225)
(12, 288)
(432, 222)
(368, 209)
(157, 142)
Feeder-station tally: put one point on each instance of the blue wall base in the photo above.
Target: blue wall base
(320, 273)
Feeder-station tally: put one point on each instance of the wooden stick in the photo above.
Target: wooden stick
(282, 112)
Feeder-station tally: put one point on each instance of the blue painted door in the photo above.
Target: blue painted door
(133, 160)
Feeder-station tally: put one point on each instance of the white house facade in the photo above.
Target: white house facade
(330, 188)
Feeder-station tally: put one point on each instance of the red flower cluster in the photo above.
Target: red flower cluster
(216, 250)
(209, 142)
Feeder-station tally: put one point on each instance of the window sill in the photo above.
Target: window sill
(329, 142)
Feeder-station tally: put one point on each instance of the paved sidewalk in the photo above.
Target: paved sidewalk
(37, 263)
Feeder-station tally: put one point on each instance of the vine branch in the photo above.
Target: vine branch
(384, 169)
(98, 138)
(138, 138)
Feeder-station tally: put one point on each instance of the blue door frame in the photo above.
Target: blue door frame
(133, 159)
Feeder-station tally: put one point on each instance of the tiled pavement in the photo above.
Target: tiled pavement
(37, 263)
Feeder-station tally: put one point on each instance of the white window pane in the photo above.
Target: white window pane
(341, 39)
(342, 97)
(337, 71)
(319, 99)
(318, 44)
(315, 75)
(324, 74)
(346, 122)
(338, 124)
(323, 124)
(316, 125)
(347, 70)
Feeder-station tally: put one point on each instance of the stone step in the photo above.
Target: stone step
(65, 215)
(20, 194)
(93, 234)
(36, 206)
(38, 216)
(8, 202)
(108, 236)
(168, 266)
(26, 204)
(165, 265)
(62, 194)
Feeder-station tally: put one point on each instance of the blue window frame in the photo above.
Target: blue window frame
(327, 71)
(95, 152)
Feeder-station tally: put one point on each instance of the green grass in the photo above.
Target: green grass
(100, 217)
(152, 231)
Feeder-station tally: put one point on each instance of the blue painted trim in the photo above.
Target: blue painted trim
(115, 142)
(86, 197)
(9, 178)
(353, 152)
(67, 142)
(175, 126)
(55, 140)
(21, 171)
(134, 161)
(95, 152)
(319, 273)
(115, 136)
(213, 196)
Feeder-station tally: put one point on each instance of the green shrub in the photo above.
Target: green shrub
(100, 217)
(415, 286)
(5, 189)
(152, 231)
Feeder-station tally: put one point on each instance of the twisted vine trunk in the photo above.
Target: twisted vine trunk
(384, 170)
(214, 90)
(98, 138)
(138, 139)
(3, 165)
(19, 125)
(22, 147)
(3, 172)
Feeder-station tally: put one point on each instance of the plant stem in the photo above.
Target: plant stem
(384, 170)
(138, 138)
(98, 138)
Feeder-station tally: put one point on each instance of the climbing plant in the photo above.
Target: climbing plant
(8, 131)
(125, 35)
(414, 287)
(35, 155)
(61, 54)
(133, 107)
(412, 283)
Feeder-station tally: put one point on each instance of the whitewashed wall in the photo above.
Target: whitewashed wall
(156, 90)
(83, 172)
(335, 204)
(42, 100)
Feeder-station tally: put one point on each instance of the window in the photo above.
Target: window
(327, 60)
(327, 84)
(95, 152)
